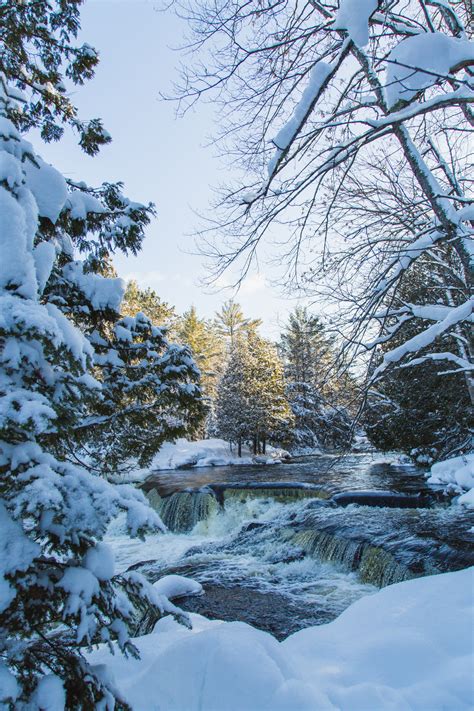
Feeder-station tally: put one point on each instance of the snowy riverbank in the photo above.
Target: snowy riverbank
(408, 646)
(203, 453)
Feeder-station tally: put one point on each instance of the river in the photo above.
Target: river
(291, 545)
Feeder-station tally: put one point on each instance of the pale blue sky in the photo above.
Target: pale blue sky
(160, 158)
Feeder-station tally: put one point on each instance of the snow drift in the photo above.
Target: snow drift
(408, 646)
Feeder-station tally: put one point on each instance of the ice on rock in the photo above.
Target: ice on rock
(457, 472)
(353, 16)
(435, 52)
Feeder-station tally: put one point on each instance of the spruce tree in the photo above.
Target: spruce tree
(270, 412)
(233, 403)
(39, 56)
(58, 591)
(251, 403)
(150, 394)
(317, 388)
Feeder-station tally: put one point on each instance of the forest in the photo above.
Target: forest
(194, 515)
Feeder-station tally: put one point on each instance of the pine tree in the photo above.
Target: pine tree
(317, 390)
(234, 396)
(270, 412)
(208, 349)
(138, 300)
(230, 321)
(58, 591)
(38, 54)
(251, 403)
(307, 351)
(150, 394)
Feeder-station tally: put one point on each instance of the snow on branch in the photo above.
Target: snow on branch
(320, 75)
(426, 337)
(464, 365)
(420, 61)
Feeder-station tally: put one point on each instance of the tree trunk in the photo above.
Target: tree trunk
(239, 447)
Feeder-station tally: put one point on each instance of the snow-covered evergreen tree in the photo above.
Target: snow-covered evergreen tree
(270, 414)
(150, 394)
(209, 350)
(316, 387)
(231, 322)
(251, 402)
(58, 593)
(234, 397)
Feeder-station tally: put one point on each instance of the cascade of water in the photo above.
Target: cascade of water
(373, 565)
(181, 511)
(357, 539)
(276, 553)
(284, 494)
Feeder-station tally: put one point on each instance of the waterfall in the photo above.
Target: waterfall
(373, 565)
(283, 494)
(181, 511)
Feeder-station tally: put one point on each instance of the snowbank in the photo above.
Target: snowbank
(409, 646)
(458, 475)
(203, 453)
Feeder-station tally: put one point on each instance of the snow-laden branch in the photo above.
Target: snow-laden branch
(464, 365)
(456, 315)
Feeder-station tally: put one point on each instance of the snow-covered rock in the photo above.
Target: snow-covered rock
(409, 646)
(177, 586)
(458, 475)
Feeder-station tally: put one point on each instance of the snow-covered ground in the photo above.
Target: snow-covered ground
(408, 646)
(457, 475)
(203, 453)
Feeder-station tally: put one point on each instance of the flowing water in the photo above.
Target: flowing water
(291, 545)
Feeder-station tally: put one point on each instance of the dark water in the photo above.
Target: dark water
(286, 546)
(329, 473)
